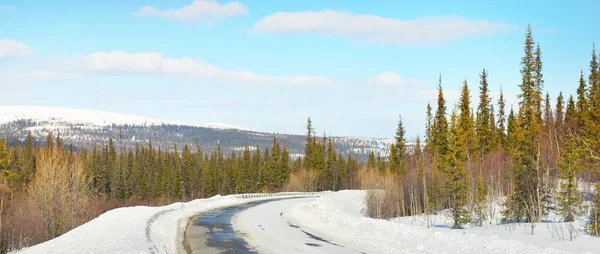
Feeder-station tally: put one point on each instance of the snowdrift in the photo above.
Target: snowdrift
(338, 216)
(140, 229)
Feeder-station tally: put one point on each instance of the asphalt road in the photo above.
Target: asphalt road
(213, 231)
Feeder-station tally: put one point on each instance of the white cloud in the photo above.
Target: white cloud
(197, 10)
(13, 49)
(154, 63)
(389, 78)
(376, 29)
(392, 79)
(26, 76)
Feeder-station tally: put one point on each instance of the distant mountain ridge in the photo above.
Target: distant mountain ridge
(85, 128)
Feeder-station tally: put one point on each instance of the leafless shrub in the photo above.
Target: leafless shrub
(58, 192)
(385, 197)
(302, 180)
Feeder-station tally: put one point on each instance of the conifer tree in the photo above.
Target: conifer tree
(569, 202)
(592, 130)
(582, 104)
(480, 198)
(455, 173)
(332, 170)
(594, 227)
(484, 133)
(571, 114)
(285, 167)
(371, 164)
(548, 114)
(428, 128)
(465, 130)
(440, 146)
(501, 119)
(400, 143)
(526, 198)
(559, 115)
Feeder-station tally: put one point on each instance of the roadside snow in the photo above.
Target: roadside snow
(269, 228)
(139, 229)
(338, 216)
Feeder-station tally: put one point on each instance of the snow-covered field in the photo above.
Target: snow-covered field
(338, 216)
(335, 216)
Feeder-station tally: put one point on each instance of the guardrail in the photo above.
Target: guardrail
(259, 195)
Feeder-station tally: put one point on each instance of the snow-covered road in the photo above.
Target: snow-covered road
(269, 228)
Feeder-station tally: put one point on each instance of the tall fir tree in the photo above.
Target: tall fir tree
(455, 173)
(571, 120)
(526, 199)
(484, 133)
(594, 226)
(559, 114)
(569, 204)
(501, 119)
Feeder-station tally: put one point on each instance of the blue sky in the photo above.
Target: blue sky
(352, 66)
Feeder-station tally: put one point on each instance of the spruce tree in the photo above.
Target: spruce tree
(594, 227)
(582, 104)
(501, 120)
(526, 198)
(440, 145)
(480, 199)
(484, 133)
(455, 173)
(332, 169)
(465, 131)
(371, 164)
(568, 200)
(559, 112)
(571, 114)
(592, 130)
(400, 143)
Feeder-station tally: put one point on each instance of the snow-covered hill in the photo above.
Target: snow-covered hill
(85, 128)
(58, 116)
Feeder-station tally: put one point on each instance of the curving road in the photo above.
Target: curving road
(255, 227)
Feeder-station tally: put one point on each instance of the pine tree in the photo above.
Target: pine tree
(569, 202)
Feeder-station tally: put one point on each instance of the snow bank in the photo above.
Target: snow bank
(338, 216)
(139, 229)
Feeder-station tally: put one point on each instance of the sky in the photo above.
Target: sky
(353, 67)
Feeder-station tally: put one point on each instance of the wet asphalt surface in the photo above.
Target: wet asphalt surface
(212, 231)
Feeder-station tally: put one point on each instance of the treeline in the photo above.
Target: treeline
(105, 177)
(542, 158)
